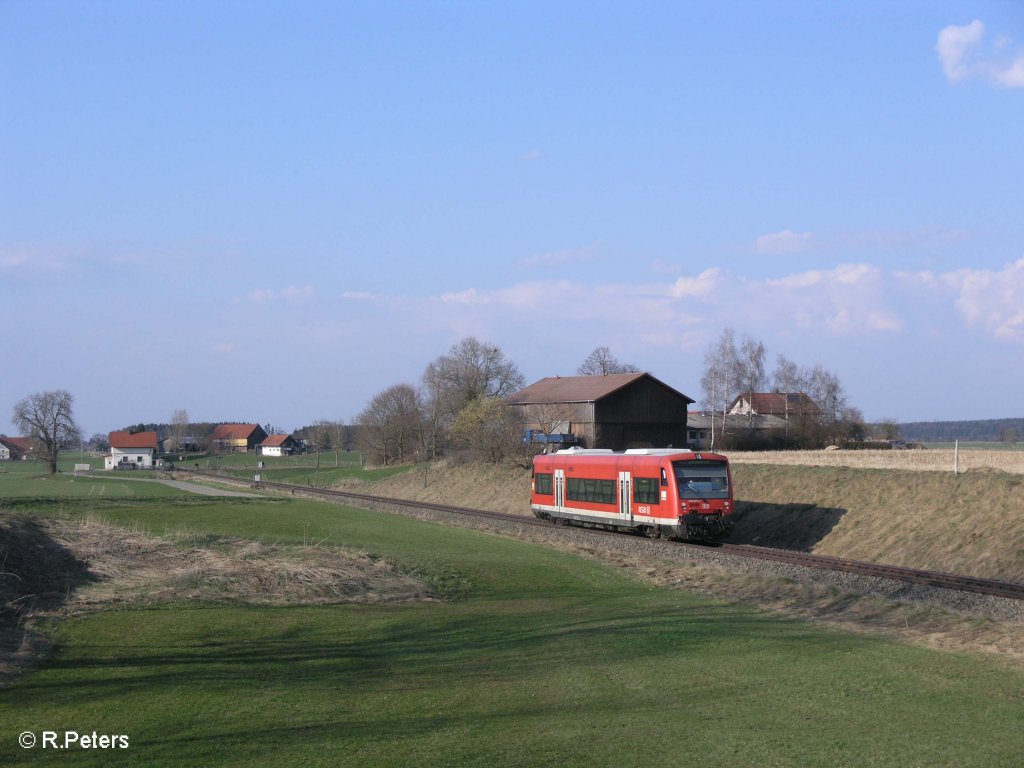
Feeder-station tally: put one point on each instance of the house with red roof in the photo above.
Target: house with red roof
(277, 445)
(237, 438)
(131, 450)
(12, 448)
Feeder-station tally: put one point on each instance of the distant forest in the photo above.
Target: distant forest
(987, 430)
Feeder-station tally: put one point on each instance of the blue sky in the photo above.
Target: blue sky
(270, 211)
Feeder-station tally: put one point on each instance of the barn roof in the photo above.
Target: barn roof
(776, 403)
(23, 444)
(582, 389)
(276, 440)
(234, 431)
(125, 439)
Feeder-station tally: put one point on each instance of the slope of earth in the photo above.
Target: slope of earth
(971, 523)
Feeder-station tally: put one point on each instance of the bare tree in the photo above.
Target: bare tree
(471, 370)
(827, 392)
(47, 419)
(719, 379)
(390, 425)
(602, 362)
(888, 429)
(474, 369)
(550, 417)
(489, 427)
(437, 406)
(750, 375)
(787, 380)
(180, 427)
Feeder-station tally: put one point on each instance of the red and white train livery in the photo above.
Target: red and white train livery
(662, 492)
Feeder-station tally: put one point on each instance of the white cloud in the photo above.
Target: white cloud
(531, 155)
(785, 241)
(359, 296)
(31, 258)
(992, 299)
(292, 294)
(224, 348)
(468, 296)
(962, 57)
(559, 258)
(703, 286)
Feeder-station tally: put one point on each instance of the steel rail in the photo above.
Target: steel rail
(940, 579)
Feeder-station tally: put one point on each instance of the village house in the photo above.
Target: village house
(14, 448)
(131, 451)
(278, 445)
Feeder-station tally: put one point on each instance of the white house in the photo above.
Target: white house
(128, 451)
(277, 445)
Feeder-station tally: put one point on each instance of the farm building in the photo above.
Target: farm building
(278, 445)
(12, 448)
(617, 411)
(131, 451)
(699, 427)
(237, 438)
(774, 404)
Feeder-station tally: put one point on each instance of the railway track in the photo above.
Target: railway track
(992, 587)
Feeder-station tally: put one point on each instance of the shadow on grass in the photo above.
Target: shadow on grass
(783, 526)
(369, 650)
(36, 570)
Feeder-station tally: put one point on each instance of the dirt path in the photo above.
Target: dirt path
(202, 490)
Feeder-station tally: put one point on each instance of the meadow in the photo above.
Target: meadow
(522, 655)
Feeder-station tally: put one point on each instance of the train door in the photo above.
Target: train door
(625, 497)
(559, 488)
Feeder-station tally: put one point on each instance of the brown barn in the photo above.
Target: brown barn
(237, 438)
(617, 411)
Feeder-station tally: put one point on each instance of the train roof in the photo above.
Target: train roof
(599, 453)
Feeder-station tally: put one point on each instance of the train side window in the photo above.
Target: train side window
(645, 490)
(592, 490)
(542, 484)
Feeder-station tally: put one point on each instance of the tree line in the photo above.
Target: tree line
(732, 369)
(458, 405)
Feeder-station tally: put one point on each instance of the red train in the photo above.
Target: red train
(661, 492)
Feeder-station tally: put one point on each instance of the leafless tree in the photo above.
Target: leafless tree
(489, 428)
(750, 374)
(824, 387)
(602, 362)
(888, 429)
(471, 370)
(474, 369)
(437, 406)
(719, 379)
(390, 425)
(550, 418)
(787, 380)
(179, 427)
(47, 419)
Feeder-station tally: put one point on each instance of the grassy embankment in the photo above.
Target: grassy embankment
(972, 523)
(526, 656)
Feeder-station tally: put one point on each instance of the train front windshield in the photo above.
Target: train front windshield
(702, 479)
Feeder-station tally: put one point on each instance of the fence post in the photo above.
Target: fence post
(956, 457)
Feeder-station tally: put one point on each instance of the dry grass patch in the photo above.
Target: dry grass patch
(54, 568)
(932, 460)
(130, 567)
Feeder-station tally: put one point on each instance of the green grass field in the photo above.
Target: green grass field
(533, 658)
